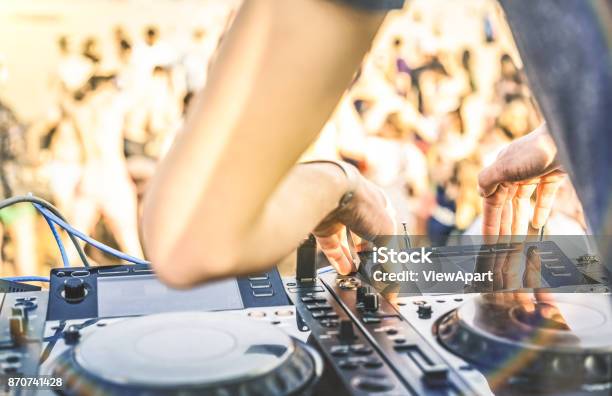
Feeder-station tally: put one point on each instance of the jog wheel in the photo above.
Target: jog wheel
(189, 353)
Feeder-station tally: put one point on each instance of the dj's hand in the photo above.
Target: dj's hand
(368, 215)
(527, 165)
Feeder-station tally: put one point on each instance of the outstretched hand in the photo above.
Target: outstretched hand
(527, 165)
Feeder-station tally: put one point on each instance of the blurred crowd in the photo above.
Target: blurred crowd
(427, 111)
(91, 155)
(423, 115)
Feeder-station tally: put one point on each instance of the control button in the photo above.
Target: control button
(372, 363)
(361, 292)
(74, 289)
(347, 332)
(370, 319)
(329, 323)
(313, 299)
(257, 314)
(399, 340)
(361, 349)
(320, 306)
(348, 365)
(10, 369)
(79, 274)
(373, 384)
(391, 331)
(17, 329)
(339, 350)
(258, 277)
(60, 274)
(370, 302)
(424, 311)
(12, 359)
(324, 315)
(260, 285)
(143, 270)
(113, 271)
(72, 335)
(263, 293)
(284, 312)
(30, 305)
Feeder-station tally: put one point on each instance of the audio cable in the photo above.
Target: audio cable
(35, 200)
(54, 218)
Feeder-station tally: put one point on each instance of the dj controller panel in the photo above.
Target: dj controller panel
(117, 330)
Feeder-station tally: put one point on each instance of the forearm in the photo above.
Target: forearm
(306, 196)
(274, 84)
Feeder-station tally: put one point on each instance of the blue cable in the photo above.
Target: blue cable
(98, 245)
(325, 270)
(56, 235)
(26, 279)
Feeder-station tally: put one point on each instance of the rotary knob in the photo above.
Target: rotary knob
(371, 302)
(72, 335)
(424, 311)
(361, 292)
(74, 289)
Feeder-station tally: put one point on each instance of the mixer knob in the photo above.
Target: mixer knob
(424, 311)
(370, 302)
(347, 332)
(74, 289)
(17, 327)
(361, 292)
(72, 335)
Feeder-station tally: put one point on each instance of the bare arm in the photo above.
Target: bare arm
(218, 204)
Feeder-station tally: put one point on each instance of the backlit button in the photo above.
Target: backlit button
(263, 293)
(313, 299)
(259, 277)
(372, 363)
(323, 314)
(257, 314)
(373, 384)
(113, 271)
(260, 285)
(339, 350)
(370, 319)
(348, 365)
(361, 349)
(319, 306)
(329, 323)
(284, 312)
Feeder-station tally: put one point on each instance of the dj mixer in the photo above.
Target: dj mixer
(117, 330)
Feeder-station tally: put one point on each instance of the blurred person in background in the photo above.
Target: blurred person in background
(91, 50)
(105, 188)
(17, 222)
(73, 69)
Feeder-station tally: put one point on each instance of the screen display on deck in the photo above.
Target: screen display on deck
(145, 294)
